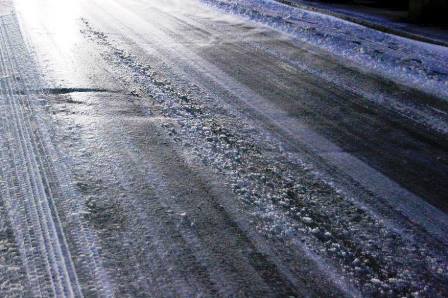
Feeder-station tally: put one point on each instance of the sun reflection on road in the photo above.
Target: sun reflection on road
(55, 16)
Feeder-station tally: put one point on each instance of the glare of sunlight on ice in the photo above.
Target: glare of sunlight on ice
(59, 16)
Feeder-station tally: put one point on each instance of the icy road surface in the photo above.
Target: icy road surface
(168, 149)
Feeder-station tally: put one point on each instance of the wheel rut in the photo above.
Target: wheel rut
(31, 186)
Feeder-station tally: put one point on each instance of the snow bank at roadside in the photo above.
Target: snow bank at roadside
(409, 62)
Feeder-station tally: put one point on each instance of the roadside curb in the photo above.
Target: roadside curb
(366, 23)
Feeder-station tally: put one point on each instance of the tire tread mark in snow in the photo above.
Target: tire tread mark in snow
(28, 194)
(16, 177)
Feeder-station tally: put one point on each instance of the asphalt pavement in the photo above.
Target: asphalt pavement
(165, 149)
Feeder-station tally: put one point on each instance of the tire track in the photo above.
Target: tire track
(31, 182)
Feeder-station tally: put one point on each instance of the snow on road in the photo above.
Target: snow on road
(413, 63)
(178, 151)
(34, 185)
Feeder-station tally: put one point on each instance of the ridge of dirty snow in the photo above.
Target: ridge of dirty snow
(412, 63)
